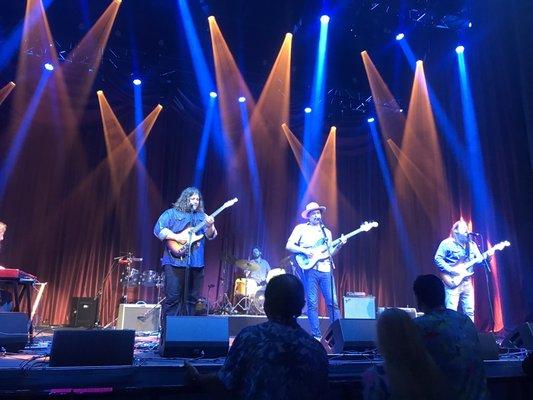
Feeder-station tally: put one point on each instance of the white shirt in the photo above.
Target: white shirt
(308, 236)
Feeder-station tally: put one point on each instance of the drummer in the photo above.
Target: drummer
(260, 274)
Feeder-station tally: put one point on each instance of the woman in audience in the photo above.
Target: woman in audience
(408, 372)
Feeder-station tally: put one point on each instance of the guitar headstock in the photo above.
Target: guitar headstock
(231, 202)
(366, 226)
(500, 246)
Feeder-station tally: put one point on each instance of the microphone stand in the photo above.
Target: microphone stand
(185, 303)
(332, 286)
(489, 295)
(100, 291)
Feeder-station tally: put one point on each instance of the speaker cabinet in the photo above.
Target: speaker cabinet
(360, 307)
(488, 347)
(190, 337)
(521, 337)
(72, 347)
(346, 335)
(83, 312)
(14, 328)
(139, 317)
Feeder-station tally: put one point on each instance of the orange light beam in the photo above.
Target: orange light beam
(391, 118)
(84, 61)
(4, 92)
(323, 184)
(300, 154)
(420, 146)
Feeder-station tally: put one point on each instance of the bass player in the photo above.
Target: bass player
(307, 239)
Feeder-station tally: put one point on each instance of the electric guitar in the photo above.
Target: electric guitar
(464, 269)
(178, 248)
(320, 249)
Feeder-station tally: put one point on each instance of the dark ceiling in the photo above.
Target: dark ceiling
(148, 40)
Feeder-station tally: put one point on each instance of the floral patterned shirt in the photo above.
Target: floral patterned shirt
(451, 339)
(276, 361)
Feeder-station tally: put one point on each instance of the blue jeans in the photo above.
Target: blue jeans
(464, 294)
(315, 279)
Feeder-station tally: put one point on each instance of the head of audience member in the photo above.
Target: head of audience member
(429, 292)
(411, 371)
(3, 228)
(284, 298)
(459, 232)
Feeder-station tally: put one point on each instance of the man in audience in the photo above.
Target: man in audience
(451, 339)
(276, 359)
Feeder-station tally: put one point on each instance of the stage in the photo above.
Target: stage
(150, 376)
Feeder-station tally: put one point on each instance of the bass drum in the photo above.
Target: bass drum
(274, 272)
(258, 303)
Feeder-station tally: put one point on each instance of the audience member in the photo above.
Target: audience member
(451, 339)
(408, 371)
(276, 359)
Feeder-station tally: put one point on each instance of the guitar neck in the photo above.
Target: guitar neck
(214, 214)
(347, 236)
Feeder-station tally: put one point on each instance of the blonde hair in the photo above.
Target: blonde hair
(411, 372)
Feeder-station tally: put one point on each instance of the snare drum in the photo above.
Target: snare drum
(245, 287)
(274, 272)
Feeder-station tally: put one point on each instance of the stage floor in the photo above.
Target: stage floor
(27, 374)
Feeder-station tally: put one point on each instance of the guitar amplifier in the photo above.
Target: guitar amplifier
(139, 317)
(363, 307)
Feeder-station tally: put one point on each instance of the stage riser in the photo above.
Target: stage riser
(238, 322)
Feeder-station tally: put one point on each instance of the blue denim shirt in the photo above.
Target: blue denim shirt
(450, 253)
(176, 221)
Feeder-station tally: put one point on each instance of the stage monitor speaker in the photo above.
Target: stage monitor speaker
(140, 317)
(191, 337)
(83, 312)
(346, 335)
(14, 329)
(72, 347)
(363, 307)
(488, 346)
(521, 337)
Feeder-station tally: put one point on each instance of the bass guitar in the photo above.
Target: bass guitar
(178, 248)
(320, 250)
(464, 269)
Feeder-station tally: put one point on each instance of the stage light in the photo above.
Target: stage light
(242, 99)
(99, 92)
(470, 24)
(137, 82)
(400, 36)
(307, 110)
(213, 95)
(324, 19)
(370, 120)
(48, 67)
(460, 49)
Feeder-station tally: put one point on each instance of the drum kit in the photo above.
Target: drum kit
(133, 277)
(248, 293)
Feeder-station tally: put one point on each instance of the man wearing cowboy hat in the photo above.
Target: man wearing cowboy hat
(305, 239)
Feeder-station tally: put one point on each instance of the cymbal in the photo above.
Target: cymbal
(285, 262)
(247, 265)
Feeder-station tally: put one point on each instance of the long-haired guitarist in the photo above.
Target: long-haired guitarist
(171, 227)
(452, 253)
(309, 239)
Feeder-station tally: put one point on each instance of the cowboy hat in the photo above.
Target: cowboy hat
(312, 207)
